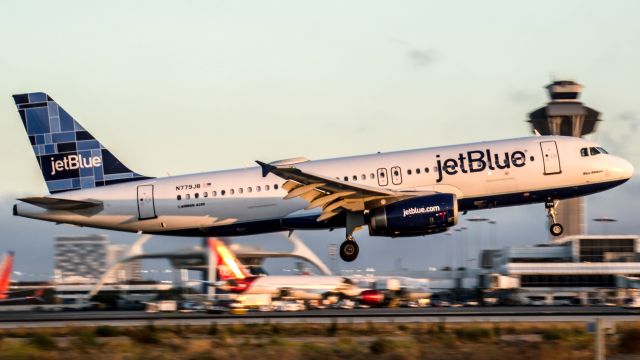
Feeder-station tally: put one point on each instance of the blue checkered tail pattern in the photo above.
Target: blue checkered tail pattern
(69, 156)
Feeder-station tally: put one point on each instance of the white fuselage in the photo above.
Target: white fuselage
(242, 201)
(301, 286)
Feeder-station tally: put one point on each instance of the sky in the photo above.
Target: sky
(175, 87)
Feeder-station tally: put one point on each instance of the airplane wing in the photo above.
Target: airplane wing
(37, 295)
(51, 203)
(333, 195)
(24, 298)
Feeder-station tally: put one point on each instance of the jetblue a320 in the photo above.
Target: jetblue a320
(404, 193)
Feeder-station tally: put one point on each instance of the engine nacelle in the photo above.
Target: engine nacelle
(415, 216)
(371, 297)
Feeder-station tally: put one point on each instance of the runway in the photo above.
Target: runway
(382, 315)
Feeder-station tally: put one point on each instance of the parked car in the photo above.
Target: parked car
(440, 303)
(288, 306)
(346, 304)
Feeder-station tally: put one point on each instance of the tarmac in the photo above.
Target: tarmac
(377, 315)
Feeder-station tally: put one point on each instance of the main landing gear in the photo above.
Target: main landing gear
(555, 229)
(349, 248)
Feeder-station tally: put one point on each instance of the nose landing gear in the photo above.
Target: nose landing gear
(555, 229)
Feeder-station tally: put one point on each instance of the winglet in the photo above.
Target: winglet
(535, 131)
(266, 168)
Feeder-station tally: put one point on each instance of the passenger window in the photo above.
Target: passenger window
(249, 189)
(355, 178)
(179, 197)
(594, 151)
(266, 188)
(381, 174)
(275, 186)
(231, 191)
(346, 178)
(363, 177)
(214, 193)
(188, 196)
(426, 170)
(258, 188)
(408, 171)
(372, 176)
(417, 170)
(240, 190)
(584, 152)
(205, 194)
(222, 192)
(196, 195)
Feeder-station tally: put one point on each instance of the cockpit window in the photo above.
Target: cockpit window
(584, 152)
(602, 151)
(594, 151)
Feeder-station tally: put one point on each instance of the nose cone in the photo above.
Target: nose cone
(622, 169)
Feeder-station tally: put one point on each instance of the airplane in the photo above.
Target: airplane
(232, 276)
(6, 267)
(404, 193)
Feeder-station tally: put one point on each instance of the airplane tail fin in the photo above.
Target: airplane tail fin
(70, 158)
(5, 274)
(229, 268)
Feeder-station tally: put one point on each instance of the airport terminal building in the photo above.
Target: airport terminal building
(573, 270)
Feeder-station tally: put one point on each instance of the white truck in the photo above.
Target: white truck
(162, 306)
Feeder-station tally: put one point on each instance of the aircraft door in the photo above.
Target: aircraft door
(396, 175)
(383, 178)
(146, 206)
(550, 157)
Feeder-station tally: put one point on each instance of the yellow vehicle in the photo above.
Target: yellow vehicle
(237, 311)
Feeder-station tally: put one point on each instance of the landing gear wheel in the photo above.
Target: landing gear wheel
(349, 250)
(556, 229)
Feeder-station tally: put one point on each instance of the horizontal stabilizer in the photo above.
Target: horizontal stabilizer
(61, 204)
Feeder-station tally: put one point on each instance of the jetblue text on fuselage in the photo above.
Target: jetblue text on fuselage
(420, 210)
(73, 162)
(477, 161)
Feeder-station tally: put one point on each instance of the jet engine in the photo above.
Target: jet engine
(415, 216)
(371, 297)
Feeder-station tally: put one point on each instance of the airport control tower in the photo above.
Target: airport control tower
(565, 115)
